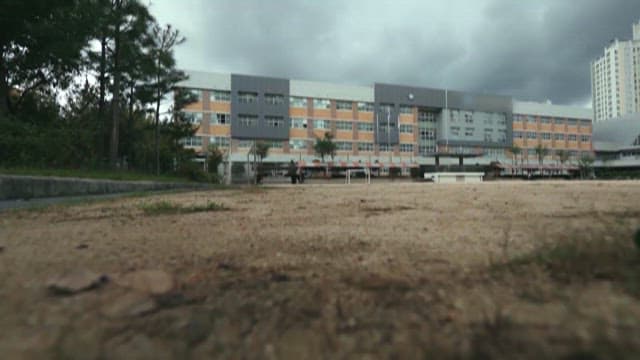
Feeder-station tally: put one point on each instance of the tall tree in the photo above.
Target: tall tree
(165, 75)
(515, 151)
(40, 46)
(325, 146)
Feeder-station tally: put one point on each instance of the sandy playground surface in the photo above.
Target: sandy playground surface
(327, 271)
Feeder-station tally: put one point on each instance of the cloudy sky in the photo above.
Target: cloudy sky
(530, 49)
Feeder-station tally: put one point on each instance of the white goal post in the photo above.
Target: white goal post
(367, 174)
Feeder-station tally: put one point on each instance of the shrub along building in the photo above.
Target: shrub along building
(381, 126)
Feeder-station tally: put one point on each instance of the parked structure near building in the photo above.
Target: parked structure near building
(615, 78)
(617, 147)
(381, 126)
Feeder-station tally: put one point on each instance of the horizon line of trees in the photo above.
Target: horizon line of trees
(53, 115)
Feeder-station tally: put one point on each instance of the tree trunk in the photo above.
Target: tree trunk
(157, 128)
(101, 101)
(4, 87)
(115, 105)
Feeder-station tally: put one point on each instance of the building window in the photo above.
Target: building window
(344, 146)
(426, 149)
(468, 131)
(406, 129)
(247, 97)
(559, 121)
(365, 127)
(274, 121)
(197, 95)
(488, 137)
(532, 135)
(426, 117)
(406, 147)
(194, 141)
(386, 108)
(365, 146)
(276, 145)
(220, 96)
(245, 143)
(385, 147)
(455, 131)
(344, 125)
(321, 124)
(585, 123)
(406, 109)
(517, 118)
(220, 141)
(193, 118)
(248, 120)
(518, 135)
(298, 123)
(468, 118)
(558, 136)
(427, 134)
(273, 99)
(297, 102)
(221, 119)
(321, 104)
(572, 122)
(531, 119)
(296, 144)
(545, 120)
(546, 136)
(344, 105)
(365, 107)
(585, 138)
(573, 137)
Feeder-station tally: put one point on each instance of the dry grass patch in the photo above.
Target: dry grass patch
(164, 207)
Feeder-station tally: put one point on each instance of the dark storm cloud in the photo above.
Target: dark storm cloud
(533, 50)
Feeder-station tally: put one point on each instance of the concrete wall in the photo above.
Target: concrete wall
(28, 187)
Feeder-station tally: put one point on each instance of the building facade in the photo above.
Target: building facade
(556, 128)
(615, 78)
(383, 124)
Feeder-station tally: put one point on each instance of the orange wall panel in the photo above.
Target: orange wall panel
(406, 138)
(572, 145)
(322, 113)
(319, 133)
(194, 107)
(518, 126)
(546, 127)
(407, 119)
(220, 130)
(221, 107)
(518, 142)
(297, 112)
(365, 136)
(344, 135)
(346, 115)
(585, 130)
(365, 116)
(572, 129)
(298, 133)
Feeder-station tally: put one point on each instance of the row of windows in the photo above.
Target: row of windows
(301, 123)
(549, 136)
(549, 120)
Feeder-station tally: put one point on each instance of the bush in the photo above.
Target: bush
(193, 171)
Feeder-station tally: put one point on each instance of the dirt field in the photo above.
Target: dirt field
(496, 270)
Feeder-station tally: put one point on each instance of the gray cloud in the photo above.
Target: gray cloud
(533, 50)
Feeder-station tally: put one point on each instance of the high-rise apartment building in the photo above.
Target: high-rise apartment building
(615, 78)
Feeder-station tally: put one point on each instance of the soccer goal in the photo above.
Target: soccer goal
(366, 172)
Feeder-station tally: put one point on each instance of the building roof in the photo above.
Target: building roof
(544, 109)
(616, 134)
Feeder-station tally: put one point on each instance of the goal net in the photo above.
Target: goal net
(354, 173)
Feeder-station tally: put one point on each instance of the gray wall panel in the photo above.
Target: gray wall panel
(261, 109)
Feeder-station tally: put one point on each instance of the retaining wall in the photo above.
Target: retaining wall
(29, 187)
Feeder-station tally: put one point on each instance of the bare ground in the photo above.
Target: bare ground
(496, 270)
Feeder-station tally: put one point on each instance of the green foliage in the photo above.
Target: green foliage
(541, 152)
(168, 208)
(237, 169)
(214, 158)
(325, 146)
